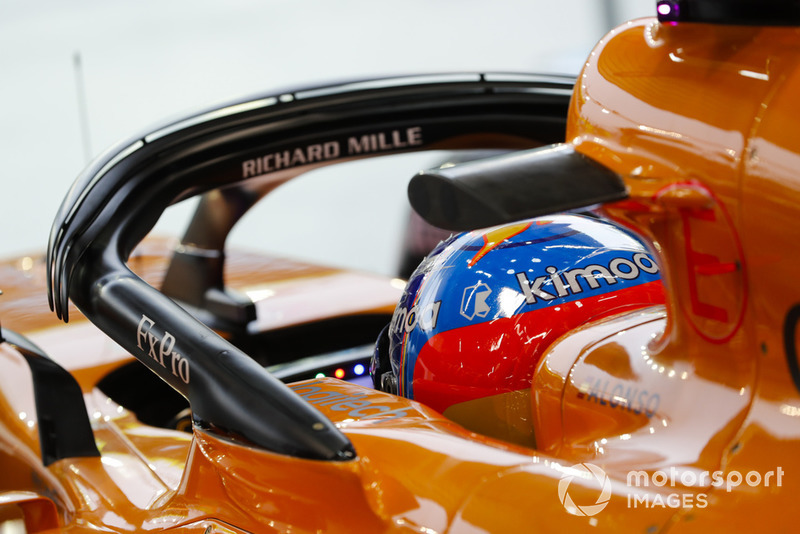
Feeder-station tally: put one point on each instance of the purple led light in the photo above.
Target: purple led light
(668, 10)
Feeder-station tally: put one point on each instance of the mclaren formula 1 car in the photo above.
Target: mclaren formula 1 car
(607, 342)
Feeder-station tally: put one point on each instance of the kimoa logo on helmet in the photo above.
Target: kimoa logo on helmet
(567, 282)
(594, 475)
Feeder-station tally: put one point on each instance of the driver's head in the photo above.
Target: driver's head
(478, 313)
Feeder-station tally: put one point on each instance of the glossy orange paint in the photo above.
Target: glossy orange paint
(416, 470)
(700, 121)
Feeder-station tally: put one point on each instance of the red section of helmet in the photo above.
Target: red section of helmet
(501, 355)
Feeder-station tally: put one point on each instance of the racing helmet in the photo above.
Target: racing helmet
(479, 312)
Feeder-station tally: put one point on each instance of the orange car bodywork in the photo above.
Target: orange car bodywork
(698, 120)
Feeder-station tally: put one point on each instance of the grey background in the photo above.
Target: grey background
(146, 61)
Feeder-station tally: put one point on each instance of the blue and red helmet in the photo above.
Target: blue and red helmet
(478, 313)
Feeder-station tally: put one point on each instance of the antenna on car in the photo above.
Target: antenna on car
(83, 108)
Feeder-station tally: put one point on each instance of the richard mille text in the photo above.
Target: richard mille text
(353, 146)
